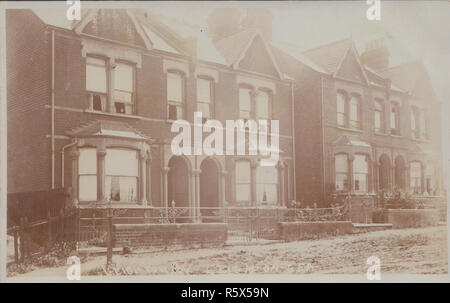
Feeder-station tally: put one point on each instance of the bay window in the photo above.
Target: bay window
(341, 172)
(204, 97)
(123, 88)
(175, 98)
(245, 103)
(96, 83)
(243, 181)
(360, 173)
(267, 184)
(87, 174)
(416, 177)
(121, 175)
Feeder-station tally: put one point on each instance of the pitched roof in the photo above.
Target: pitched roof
(329, 56)
(404, 75)
(106, 128)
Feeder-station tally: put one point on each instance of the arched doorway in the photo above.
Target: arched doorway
(400, 172)
(178, 182)
(384, 173)
(209, 188)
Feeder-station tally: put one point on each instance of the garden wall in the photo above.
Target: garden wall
(291, 231)
(404, 218)
(186, 234)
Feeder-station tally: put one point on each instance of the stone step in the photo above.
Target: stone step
(367, 227)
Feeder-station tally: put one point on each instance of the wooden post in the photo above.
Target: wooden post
(49, 228)
(110, 240)
(22, 239)
(16, 247)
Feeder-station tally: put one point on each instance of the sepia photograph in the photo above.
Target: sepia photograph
(207, 141)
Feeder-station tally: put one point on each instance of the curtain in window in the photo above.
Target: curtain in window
(175, 96)
(360, 173)
(378, 116)
(267, 184)
(394, 117)
(95, 75)
(87, 171)
(121, 170)
(354, 112)
(341, 168)
(243, 181)
(123, 88)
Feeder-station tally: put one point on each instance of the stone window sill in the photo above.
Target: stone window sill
(97, 112)
(350, 129)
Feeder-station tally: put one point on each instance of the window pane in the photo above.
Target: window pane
(88, 188)
(266, 174)
(244, 99)
(360, 182)
(341, 163)
(204, 108)
(354, 109)
(123, 77)
(203, 90)
(243, 172)
(243, 192)
(393, 117)
(360, 164)
(378, 106)
(121, 162)
(266, 193)
(413, 120)
(262, 105)
(174, 87)
(377, 121)
(123, 189)
(87, 162)
(341, 181)
(95, 75)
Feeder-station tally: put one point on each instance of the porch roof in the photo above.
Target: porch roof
(105, 128)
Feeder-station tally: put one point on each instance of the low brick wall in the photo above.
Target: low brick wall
(404, 218)
(186, 234)
(291, 231)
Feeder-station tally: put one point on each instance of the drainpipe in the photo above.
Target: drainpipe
(293, 141)
(322, 124)
(62, 159)
(53, 110)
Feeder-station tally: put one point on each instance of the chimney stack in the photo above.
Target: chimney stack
(223, 22)
(376, 55)
(259, 18)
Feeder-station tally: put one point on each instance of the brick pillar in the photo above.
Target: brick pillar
(75, 155)
(101, 175)
(143, 180)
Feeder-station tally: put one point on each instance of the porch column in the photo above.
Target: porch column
(75, 155)
(101, 153)
(253, 165)
(149, 181)
(143, 181)
(350, 173)
(281, 168)
(222, 187)
(196, 202)
(165, 193)
(370, 175)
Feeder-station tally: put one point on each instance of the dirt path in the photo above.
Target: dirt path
(418, 251)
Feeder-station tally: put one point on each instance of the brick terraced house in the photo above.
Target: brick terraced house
(91, 104)
(364, 127)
